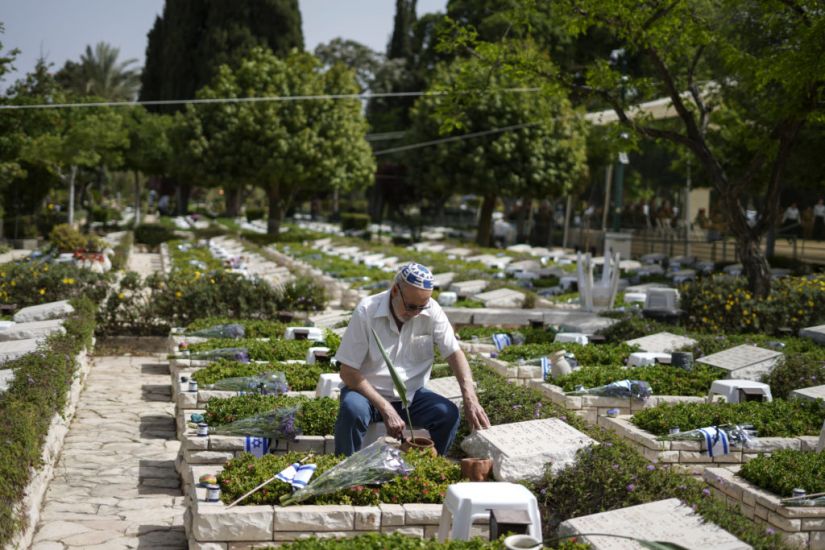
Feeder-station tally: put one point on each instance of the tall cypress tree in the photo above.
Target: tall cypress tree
(400, 45)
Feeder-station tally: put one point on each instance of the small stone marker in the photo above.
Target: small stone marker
(26, 331)
(663, 521)
(746, 362)
(491, 261)
(821, 445)
(469, 288)
(643, 288)
(502, 297)
(443, 280)
(661, 342)
(817, 334)
(6, 376)
(662, 298)
(17, 348)
(813, 393)
(523, 265)
(521, 451)
(447, 387)
(458, 252)
(44, 312)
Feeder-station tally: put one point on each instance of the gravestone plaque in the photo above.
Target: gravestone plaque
(745, 362)
(44, 312)
(662, 298)
(468, 288)
(521, 451)
(447, 387)
(17, 348)
(523, 265)
(6, 376)
(443, 280)
(37, 329)
(458, 252)
(817, 334)
(502, 297)
(661, 342)
(643, 288)
(813, 393)
(663, 521)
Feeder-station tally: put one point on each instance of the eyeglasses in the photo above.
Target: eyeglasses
(411, 307)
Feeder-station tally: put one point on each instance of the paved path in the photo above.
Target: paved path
(144, 264)
(115, 484)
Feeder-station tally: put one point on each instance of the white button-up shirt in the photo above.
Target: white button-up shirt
(410, 349)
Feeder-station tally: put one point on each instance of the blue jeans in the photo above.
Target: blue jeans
(428, 410)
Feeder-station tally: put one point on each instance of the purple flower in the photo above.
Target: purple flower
(615, 466)
(608, 444)
(650, 467)
(769, 531)
(706, 492)
(631, 488)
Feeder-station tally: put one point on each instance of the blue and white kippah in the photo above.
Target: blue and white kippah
(417, 275)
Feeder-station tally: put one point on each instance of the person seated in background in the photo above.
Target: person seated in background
(701, 221)
(791, 221)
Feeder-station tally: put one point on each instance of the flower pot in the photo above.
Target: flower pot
(559, 366)
(522, 542)
(419, 443)
(476, 469)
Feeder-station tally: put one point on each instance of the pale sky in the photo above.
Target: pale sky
(60, 29)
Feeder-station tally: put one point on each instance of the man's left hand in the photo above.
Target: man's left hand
(475, 415)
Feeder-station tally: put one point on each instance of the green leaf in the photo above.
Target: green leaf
(399, 384)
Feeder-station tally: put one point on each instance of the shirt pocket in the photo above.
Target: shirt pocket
(421, 349)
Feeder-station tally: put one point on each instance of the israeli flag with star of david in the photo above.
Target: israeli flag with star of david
(545, 367)
(501, 340)
(258, 446)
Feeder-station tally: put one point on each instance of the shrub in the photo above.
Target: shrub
(314, 416)
(723, 304)
(707, 344)
(779, 418)
(794, 372)
(299, 376)
(253, 214)
(153, 234)
(122, 251)
(397, 541)
(66, 238)
(31, 283)
(606, 354)
(786, 469)
(259, 350)
(354, 221)
(253, 328)
(612, 475)
(38, 391)
(663, 379)
(531, 335)
(303, 294)
(632, 327)
(427, 483)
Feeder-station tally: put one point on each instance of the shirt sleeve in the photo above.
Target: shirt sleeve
(443, 333)
(355, 343)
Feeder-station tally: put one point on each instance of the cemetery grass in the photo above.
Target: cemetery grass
(588, 355)
(398, 541)
(259, 350)
(313, 416)
(663, 379)
(253, 328)
(786, 469)
(299, 376)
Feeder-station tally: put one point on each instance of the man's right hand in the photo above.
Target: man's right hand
(392, 421)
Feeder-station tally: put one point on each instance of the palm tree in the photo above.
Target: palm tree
(100, 74)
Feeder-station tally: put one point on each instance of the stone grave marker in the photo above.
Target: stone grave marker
(502, 297)
(523, 265)
(44, 312)
(745, 362)
(662, 298)
(16, 348)
(821, 445)
(817, 334)
(661, 342)
(36, 329)
(446, 386)
(443, 280)
(643, 288)
(813, 393)
(664, 521)
(458, 252)
(6, 376)
(520, 248)
(522, 450)
(469, 288)
(491, 261)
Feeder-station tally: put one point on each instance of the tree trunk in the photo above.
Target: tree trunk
(754, 265)
(276, 211)
(137, 199)
(182, 191)
(232, 202)
(485, 220)
(71, 194)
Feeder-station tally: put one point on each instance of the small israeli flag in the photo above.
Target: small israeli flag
(258, 446)
(288, 474)
(545, 367)
(297, 474)
(501, 340)
(716, 441)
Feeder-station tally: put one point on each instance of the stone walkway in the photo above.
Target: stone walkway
(115, 484)
(144, 263)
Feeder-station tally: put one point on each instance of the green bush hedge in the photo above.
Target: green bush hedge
(354, 221)
(632, 327)
(786, 469)
(397, 541)
(531, 335)
(259, 350)
(779, 418)
(315, 416)
(153, 234)
(427, 483)
(714, 343)
(663, 379)
(38, 391)
(724, 304)
(794, 372)
(30, 283)
(122, 251)
(602, 354)
(253, 328)
(299, 377)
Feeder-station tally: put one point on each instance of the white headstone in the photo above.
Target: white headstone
(746, 362)
(447, 387)
(17, 348)
(447, 298)
(663, 521)
(662, 342)
(44, 312)
(817, 334)
(522, 450)
(813, 393)
(502, 297)
(523, 265)
(571, 338)
(643, 288)
(459, 252)
(443, 280)
(469, 288)
(6, 376)
(37, 329)
(314, 334)
(647, 358)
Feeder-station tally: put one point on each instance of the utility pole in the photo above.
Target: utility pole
(618, 56)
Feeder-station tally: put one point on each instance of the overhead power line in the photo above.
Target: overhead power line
(455, 138)
(205, 101)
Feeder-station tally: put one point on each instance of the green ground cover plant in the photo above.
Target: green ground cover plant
(315, 416)
(708, 344)
(587, 355)
(29, 283)
(794, 372)
(39, 391)
(122, 251)
(152, 234)
(191, 258)
(398, 541)
(632, 326)
(299, 376)
(785, 470)
(531, 335)
(779, 418)
(427, 483)
(253, 328)
(259, 350)
(613, 475)
(663, 379)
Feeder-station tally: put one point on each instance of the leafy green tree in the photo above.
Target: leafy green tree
(360, 58)
(288, 148)
(542, 150)
(9, 167)
(744, 79)
(150, 148)
(100, 74)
